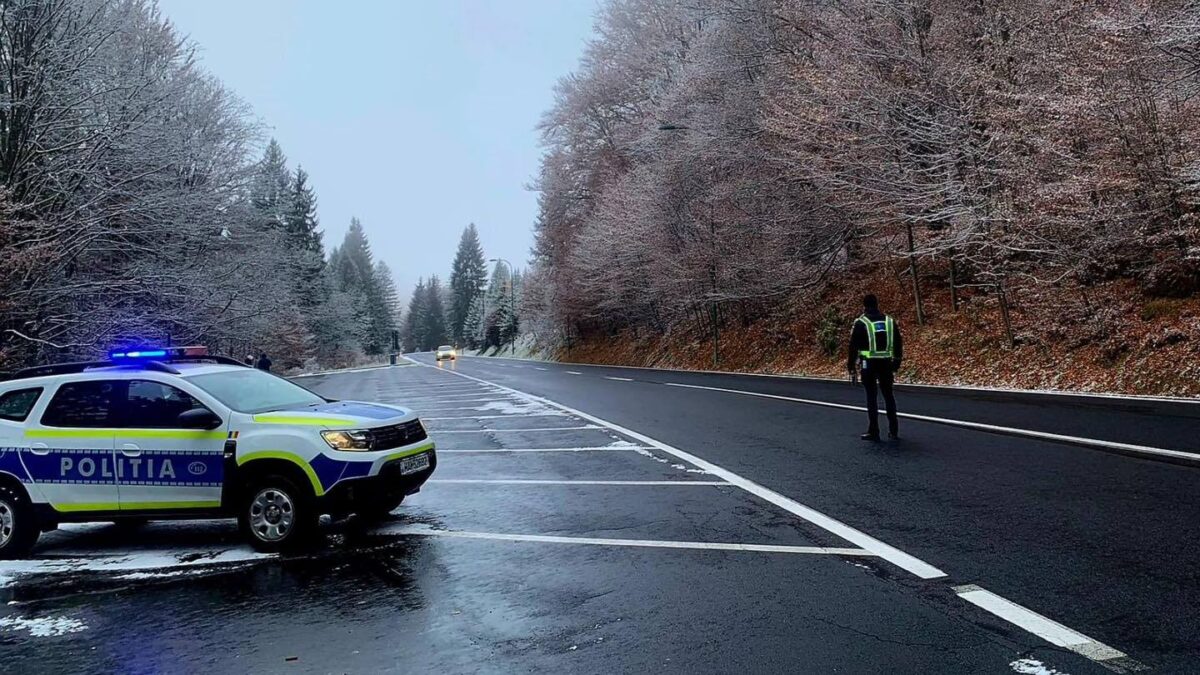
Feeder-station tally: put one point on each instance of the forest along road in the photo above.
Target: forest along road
(598, 520)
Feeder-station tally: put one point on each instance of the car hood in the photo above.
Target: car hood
(338, 414)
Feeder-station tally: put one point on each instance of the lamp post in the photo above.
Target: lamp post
(512, 297)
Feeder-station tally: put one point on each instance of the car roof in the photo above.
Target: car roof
(119, 372)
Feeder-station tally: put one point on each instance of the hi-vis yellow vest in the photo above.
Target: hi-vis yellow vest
(876, 330)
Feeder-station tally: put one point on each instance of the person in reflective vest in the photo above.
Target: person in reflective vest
(876, 350)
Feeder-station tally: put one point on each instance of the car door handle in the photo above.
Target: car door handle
(131, 450)
(39, 448)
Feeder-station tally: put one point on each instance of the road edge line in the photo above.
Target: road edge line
(1178, 457)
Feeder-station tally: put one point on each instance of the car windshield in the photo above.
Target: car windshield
(445, 348)
(253, 391)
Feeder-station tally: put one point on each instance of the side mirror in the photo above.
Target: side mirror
(199, 418)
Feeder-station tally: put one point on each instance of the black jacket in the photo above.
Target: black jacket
(859, 341)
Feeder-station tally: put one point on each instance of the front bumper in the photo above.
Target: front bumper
(385, 487)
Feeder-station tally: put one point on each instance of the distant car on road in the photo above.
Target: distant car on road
(176, 433)
(445, 352)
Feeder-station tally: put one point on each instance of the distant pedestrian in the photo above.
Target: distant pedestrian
(876, 350)
(264, 363)
(250, 360)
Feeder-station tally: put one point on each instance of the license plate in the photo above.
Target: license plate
(414, 464)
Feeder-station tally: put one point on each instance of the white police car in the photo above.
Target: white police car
(166, 434)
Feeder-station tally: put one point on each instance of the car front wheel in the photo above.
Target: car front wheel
(276, 515)
(18, 527)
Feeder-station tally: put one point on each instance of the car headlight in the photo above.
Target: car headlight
(348, 439)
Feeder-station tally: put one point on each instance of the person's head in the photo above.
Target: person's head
(870, 301)
(263, 355)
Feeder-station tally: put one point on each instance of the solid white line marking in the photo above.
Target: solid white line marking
(495, 431)
(823, 380)
(525, 481)
(601, 448)
(1011, 431)
(640, 543)
(572, 372)
(1049, 630)
(893, 555)
(495, 417)
(620, 379)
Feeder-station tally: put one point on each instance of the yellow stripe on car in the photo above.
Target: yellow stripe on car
(303, 421)
(288, 457)
(129, 433)
(409, 453)
(134, 506)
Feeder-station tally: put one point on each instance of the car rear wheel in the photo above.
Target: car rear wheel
(18, 527)
(276, 515)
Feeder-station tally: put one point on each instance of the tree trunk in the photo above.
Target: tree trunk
(916, 281)
(953, 283)
(1008, 331)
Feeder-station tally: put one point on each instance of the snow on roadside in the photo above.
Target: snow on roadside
(144, 561)
(46, 626)
(521, 408)
(1033, 667)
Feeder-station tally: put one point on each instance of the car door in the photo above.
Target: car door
(69, 452)
(162, 465)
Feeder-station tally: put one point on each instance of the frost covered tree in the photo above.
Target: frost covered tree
(468, 276)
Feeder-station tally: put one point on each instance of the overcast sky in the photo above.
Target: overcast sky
(416, 116)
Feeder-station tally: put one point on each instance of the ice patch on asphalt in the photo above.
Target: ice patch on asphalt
(519, 408)
(1033, 667)
(46, 626)
(663, 460)
(127, 561)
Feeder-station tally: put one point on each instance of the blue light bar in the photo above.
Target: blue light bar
(139, 354)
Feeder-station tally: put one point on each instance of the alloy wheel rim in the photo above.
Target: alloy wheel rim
(272, 515)
(7, 523)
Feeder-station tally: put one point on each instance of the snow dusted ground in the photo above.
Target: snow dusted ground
(157, 550)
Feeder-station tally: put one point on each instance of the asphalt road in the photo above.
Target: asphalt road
(620, 523)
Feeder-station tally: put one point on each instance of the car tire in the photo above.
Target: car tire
(19, 528)
(276, 515)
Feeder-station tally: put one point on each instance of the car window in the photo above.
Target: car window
(445, 348)
(82, 404)
(16, 405)
(253, 391)
(154, 405)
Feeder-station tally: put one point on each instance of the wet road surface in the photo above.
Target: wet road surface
(763, 538)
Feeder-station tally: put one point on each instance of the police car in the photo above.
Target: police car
(177, 433)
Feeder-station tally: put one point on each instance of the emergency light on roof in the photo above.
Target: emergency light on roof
(158, 353)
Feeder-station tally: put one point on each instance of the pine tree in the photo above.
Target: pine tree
(414, 319)
(467, 278)
(435, 318)
(390, 299)
(355, 276)
(270, 189)
(473, 328)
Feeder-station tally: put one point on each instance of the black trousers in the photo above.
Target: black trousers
(877, 376)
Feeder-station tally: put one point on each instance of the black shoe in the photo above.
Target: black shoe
(893, 435)
(869, 436)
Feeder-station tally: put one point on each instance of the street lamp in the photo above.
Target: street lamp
(512, 297)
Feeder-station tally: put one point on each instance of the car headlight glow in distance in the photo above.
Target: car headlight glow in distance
(347, 439)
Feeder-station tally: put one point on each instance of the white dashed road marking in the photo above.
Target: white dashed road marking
(1051, 631)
